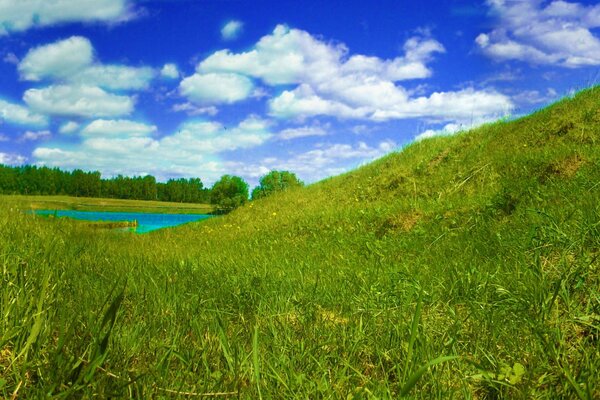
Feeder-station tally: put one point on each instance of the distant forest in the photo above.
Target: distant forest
(33, 180)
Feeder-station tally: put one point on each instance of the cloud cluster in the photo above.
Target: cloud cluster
(20, 15)
(80, 85)
(329, 81)
(303, 131)
(320, 162)
(12, 159)
(35, 135)
(556, 33)
(116, 128)
(216, 88)
(20, 115)
(78, 100)
(127, 147)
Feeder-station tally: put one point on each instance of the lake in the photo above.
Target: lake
(146, 221)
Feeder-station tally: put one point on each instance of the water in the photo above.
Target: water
(146, 221)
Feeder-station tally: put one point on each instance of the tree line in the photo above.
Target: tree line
(227, 193)
(33, 180)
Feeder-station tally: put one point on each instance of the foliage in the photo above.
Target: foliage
(462, 267)
(229, 192)
(275, 181)
(33, 180)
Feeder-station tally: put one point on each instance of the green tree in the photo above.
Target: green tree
(229, 192)
(275, 181)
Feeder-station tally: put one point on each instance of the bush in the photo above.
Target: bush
(275, 181)
(229, 193)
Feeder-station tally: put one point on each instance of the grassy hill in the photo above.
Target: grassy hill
(461, 267)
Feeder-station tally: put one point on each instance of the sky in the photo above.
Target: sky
(203, 88)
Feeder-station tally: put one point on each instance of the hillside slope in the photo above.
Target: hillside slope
(482, 247)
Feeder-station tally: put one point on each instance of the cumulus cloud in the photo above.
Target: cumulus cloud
(231, 30)
(192, 151)
(169, 71)
(20, 15)
(529, 97)
(303, 131)
(115, 77)
(72, 61)
(16, 114)
(120, 127)
(447, 130)
(330, 81)
(216, 88)
(319, 162)
(555, 33)
(68, 128)
(78, 100)
(35, 135)
(289, 56)
(193, 110)
(453, 128)
(57, 60)
(12, 159)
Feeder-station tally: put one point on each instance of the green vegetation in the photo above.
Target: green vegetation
(33, 180)
(462, 267)
(229, 193)
(99, 204)
(275, 181)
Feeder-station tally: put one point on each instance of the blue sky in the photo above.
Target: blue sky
(202, 88)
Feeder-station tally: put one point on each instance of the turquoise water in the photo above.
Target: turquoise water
(146, 221)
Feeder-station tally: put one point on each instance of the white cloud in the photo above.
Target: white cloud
(556, 33)
(35, 135)
(84, 101)
(216, 88)
(72, 61)
(169, 71)
(12, 159)
(290, 56)
(447, 130)
(192, 151)
(192, 109)
(535, 96)
(231, 30)
(121, 127)
(16, 114)
(115, 77)
(68, 128)
(330, 81)
(304, 102)
(318, 163)
(57, 60)
(303, 131)
(287, 56)
(452, 128)
(20, 15)
(211, 137)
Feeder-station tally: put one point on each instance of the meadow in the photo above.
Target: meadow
(460, 267)
(102, 204)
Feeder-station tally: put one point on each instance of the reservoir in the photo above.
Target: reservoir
(146, 221)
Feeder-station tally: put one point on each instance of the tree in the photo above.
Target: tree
(275, 181)
(229, 192)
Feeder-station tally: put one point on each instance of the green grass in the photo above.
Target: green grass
(461, 267)
(97, 204)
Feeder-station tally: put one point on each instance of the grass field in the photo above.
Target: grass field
(461, 267)
(95, 204)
